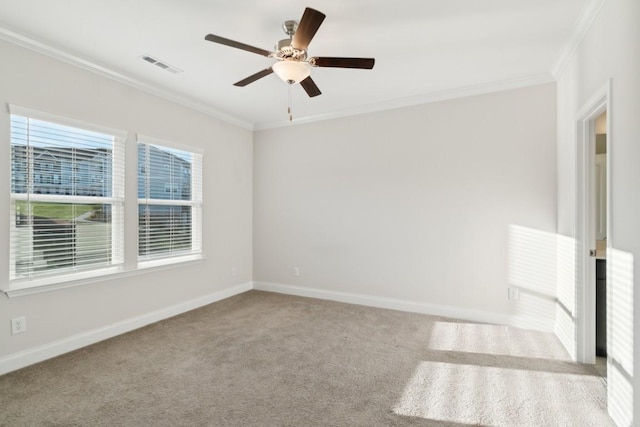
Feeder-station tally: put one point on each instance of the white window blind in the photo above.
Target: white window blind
(67, 189)
(169, 200)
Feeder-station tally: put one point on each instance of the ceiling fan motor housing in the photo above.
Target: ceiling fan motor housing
(284, 50)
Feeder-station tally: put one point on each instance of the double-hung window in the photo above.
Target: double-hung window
(67, 198)
(169, 200)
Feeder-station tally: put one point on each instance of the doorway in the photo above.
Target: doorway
(599, 194)
(593, 237)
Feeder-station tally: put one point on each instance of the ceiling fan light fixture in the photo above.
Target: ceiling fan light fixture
(291, 71)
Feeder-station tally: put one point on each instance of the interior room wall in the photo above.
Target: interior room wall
(36, 81)
(438, 208)
(608, 52)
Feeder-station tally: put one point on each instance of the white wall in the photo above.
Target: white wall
(32, 80)
(439, 204)
(609, 51)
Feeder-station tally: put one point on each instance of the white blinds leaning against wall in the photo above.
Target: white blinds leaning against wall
(67, 195)
(169, 200)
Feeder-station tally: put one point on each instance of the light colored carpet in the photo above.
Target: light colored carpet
(263, 359)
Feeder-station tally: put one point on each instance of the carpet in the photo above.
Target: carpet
(265, 359)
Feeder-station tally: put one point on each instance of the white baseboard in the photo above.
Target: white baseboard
(28, 357)
(390, 303)
(37, 354)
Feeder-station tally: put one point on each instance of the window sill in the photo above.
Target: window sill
(35, 286)
(155, 263)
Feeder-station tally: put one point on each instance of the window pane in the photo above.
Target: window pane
(164, 229)
(58, 236)
(169, 174)
(48, 158)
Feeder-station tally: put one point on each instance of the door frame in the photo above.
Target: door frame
(585, 291)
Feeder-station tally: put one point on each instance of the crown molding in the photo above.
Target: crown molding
(588, 14)
(585, 19)
(76, 60)
(444, 95)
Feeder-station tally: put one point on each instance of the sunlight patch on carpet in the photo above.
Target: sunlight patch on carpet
(494, 339)
(487, 395)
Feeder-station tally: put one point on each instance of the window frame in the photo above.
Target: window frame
(195, 203)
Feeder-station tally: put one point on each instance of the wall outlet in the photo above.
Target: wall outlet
(296, 271)
(514, 294)
(18, 325)
(234, 271)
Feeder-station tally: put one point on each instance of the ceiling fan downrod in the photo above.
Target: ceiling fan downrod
(290, 27)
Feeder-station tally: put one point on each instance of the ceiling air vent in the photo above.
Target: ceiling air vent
(161, 64)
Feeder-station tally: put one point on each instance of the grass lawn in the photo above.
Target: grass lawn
(63, 211)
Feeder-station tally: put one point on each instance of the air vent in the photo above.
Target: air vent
(158, 63)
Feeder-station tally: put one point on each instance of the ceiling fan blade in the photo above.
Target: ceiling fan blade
(328, 61)
(309, 24)
(252, 78)
(237, 45)
(310, 87)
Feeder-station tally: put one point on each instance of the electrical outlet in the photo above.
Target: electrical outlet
(514, 294)
(18, 325)
(234, 271)
(296, 271)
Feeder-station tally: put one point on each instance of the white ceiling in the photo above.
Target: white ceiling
(423, 48)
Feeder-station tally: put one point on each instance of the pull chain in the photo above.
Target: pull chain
(289, 109)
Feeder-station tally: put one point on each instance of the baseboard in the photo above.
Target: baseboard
(28, 357)
(389, 303)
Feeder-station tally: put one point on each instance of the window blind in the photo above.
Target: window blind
(67, 187)
(169, 200)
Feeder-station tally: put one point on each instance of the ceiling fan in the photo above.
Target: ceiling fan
(292, 65)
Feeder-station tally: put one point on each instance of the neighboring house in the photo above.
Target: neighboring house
(63, 171)
(79, 172)
(169, 175)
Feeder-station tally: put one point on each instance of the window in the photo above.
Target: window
(67, 189)
(169, 200)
